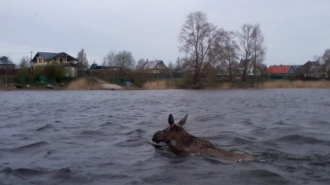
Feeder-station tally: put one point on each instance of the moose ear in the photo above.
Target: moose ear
(170, 119)
(183, 120)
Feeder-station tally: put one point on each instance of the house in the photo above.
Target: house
(312, 70)
(156, 66)
(278, 71)
(250, 68)
(207, 70)
(293, 69)
(95, 66)
(222, 69)
(7, 67)
(65, 60)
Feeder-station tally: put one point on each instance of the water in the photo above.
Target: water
(103, 137)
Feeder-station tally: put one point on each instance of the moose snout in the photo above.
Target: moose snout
(156, 136)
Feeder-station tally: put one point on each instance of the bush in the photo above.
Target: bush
(54, 73)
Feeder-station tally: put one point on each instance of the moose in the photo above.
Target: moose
(182, 143)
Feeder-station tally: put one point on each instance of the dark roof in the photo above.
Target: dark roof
(295, 67)
(5, 61)
(191, 66)
(242, 63)
(49, 56)
(145, 65)
(311, 63)
(95, 66)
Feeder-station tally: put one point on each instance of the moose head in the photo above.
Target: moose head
(170, 133)
(181, 142)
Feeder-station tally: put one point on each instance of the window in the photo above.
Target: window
(40, 60)
(61, 60)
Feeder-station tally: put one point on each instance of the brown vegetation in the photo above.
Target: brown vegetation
(295, 84)
(84, 84)
(180, 84)
(159, 85)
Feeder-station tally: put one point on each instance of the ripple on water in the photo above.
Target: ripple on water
(32, 146)
(134, 139)
(46, 127)
(259, 176)
(103, 137)
(300, 139)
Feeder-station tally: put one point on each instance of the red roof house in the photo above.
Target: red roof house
(278, 71)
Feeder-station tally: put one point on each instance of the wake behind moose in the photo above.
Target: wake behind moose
(181, 142)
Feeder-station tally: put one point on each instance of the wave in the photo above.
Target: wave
(272, 156)
(261, 176)
(44, 127)
(132, 143)
(92, 133)
(28, 172)
(108, 123)
(113, 125)
(62, 173)
(31, 146)
(209, 117)
(25, 172)
(136, 132)
(299, 139)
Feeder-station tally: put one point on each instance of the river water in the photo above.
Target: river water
(103, 137)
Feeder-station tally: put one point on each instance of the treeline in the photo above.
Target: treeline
(231, 53)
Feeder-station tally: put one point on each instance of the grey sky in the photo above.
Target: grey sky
(295, 31)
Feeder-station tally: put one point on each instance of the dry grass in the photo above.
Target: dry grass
(295, 84)
(84, 84)
(159, 85)
(170, 84)
(226, 85)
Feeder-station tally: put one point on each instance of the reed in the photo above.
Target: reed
(159, 85)
(84, 84)
(295, 84)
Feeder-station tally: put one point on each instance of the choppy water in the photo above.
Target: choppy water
(102, 137)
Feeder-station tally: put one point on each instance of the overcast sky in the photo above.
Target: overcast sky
(295, 30)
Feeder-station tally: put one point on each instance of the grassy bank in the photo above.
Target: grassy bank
(179, 84)
(84, 84)
(296, 84)
(159, 85)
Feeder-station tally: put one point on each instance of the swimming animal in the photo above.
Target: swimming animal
(183, 143)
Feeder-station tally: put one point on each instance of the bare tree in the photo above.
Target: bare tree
(225, 51)
(24, 62)
(171, 67)
(141, 62)
(109, 60)
(125, 61)
(258, 48)
(252, 49)
(196, 36)
(246, 48)
(326, 62)
(82, 58)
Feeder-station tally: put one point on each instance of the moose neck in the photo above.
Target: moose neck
(182, 141)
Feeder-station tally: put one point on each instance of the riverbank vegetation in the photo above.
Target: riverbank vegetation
(267, 84)
(215, 58)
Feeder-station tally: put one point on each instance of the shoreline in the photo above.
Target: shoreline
(98, 84)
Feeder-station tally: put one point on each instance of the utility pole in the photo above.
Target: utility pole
(31, 59)
(6, 62)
